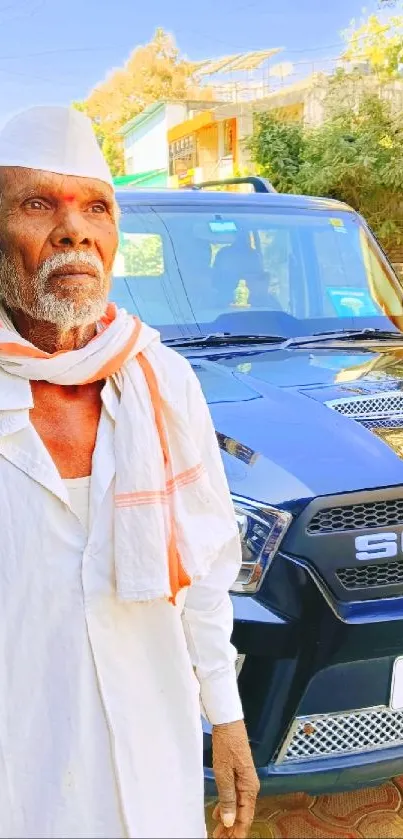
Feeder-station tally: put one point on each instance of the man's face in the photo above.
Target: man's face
(58, 239)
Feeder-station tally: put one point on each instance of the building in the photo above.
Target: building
(202, 148)
(174, 143)
(145, 144)
(178, 143)
(212, 145)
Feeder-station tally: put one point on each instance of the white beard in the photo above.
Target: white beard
(46, 305)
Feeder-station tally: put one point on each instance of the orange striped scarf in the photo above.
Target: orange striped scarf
(163, 500)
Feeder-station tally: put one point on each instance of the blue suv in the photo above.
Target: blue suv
(278, 302)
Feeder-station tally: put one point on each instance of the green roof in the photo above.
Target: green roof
(144, 115)
(156, 175)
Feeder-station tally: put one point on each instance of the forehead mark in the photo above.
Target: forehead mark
(69, 197)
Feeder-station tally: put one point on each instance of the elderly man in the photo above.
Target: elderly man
(118, 538)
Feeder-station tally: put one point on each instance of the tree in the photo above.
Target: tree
(355, 155)
(153, 72)
(377, 43)
(276, 148)
(142, 254)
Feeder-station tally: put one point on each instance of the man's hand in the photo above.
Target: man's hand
(236, 780)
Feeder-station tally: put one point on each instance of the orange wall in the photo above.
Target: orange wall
(206, 132)
(207, 143)
(190, 126)
(234, 151)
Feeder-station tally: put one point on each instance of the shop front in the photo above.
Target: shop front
(202, 149)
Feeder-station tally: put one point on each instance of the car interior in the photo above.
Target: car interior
(273, 275)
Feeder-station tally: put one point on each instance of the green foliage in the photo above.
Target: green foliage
(113, 152)
(142, 254)
(378, 42)
(153, 72)
(355, 155)
(276, 148)
(110, 143)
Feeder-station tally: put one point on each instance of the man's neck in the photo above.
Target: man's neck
(48, 337)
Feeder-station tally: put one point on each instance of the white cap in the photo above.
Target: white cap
(53, 139)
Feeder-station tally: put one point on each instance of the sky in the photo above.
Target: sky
(54, 51)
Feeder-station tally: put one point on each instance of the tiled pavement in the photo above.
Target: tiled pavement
(375, 813)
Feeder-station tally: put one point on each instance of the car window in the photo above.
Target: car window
(340, 258)
(276, 248)
(140, 254)
(228, 268)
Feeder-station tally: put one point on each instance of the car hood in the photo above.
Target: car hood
(280, 440)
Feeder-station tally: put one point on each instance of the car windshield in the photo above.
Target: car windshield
(232, 269)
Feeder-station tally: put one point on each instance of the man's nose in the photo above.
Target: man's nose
(71, 230)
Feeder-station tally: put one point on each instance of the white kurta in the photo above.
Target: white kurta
(100, 732)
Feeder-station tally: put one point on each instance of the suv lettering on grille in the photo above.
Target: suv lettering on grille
(378, 546)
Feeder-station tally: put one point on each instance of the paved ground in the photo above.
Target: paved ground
(372, 814)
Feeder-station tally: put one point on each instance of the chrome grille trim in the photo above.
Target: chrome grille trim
(363, 516)
(375, 406)
(382, 423)
(349, 732)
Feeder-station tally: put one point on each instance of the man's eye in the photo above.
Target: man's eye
(99, 207)
(35, 204)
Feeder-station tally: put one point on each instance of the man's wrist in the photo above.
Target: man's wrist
(237, 722)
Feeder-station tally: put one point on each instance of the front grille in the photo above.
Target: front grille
(375, 424)
(376, 406)
(357, 517)
(368, 576)
(344, 733)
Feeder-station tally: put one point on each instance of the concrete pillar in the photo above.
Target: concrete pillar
(244, 130)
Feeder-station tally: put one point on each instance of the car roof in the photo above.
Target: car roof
(198, 197)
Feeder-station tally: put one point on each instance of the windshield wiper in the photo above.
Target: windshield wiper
(223, 339)
(368, 334)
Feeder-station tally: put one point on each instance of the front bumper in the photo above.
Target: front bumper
(312, 665)
(328, 775)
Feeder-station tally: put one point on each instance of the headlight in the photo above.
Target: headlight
(261, 529)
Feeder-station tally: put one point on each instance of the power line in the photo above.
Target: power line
(75, 50)
(29, 76)
(54, 52)
(105, 48)
(338, 45)
(22, 14)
